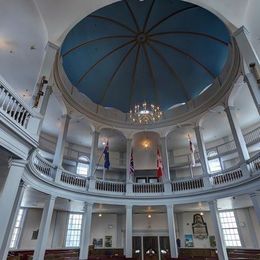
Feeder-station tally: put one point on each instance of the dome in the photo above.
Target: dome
(163, 52)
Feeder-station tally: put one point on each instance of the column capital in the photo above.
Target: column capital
(48, 90)
(170, 206)
(255, 194)
(52, 46)
(213, 203)
(88, 205)
(229, 108)
(52, 197)
(66, 116)
(128, 207)
(240, 30)
(95, 132)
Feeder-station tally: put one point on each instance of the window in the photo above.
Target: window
(229, 227)
(82, 168)
(74, 230)
(17, 229)
(214, 165)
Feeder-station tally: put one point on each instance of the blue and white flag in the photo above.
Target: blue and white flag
(131, 168)
(106, 153)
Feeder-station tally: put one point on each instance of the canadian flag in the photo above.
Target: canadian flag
(159, 164)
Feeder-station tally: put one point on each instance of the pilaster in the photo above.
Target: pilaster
(222, 252)
(172, 231)
(86, 231)
(44, 229)
(129, 231)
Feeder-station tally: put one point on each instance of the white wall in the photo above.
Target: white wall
(114, 225)
(20, 28)
(107, 225)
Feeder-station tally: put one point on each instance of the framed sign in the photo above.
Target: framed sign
(199, 227)
(188, 241)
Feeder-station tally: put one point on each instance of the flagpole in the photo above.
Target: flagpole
(98, 163)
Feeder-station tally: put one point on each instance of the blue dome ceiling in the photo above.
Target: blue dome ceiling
(164, 52)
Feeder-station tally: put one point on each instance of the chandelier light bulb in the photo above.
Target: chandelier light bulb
(145, 113)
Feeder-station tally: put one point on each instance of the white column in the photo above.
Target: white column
(172, 233)
(46, 68)
(254, 89)
(8, 197)
(255, 197)
(93, 153)
(128, 231)
(9, 231)
(59, 150)
(165, 159)
(44, 229)
(86, 231)
(222, 252)
(202, 151)
(237, 134)
(45, 100)
(245, 46)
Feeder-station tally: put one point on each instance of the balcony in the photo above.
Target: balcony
(45, 171)
(19, 124)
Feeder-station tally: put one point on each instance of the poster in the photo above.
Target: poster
(188, 241)
(98, 242)
(108, 241)
(212, 241)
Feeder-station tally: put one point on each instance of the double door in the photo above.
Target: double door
(151, 247)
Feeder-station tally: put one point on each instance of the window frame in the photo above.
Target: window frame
(234, 226)
(220, 167)
(20, 229)
(80, 167)
(68, 229)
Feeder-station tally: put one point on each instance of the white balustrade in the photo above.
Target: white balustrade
(17, 111)
(226, 147)
(253, 136)
(187, 185)
(73, 179)
(43, 166)
(254, 164)
(110, 186)
(148, 187)
(227, 177)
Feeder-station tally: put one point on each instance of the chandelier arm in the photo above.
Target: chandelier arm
(173, 72)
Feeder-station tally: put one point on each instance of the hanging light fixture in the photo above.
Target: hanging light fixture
(145, 113)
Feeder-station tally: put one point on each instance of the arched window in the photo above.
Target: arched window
(83, 165)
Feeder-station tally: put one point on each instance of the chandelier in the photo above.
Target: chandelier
(145, 113)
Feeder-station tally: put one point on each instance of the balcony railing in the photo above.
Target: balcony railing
(65, 179)
(187, 185)
(17, 114)
(251, 138)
